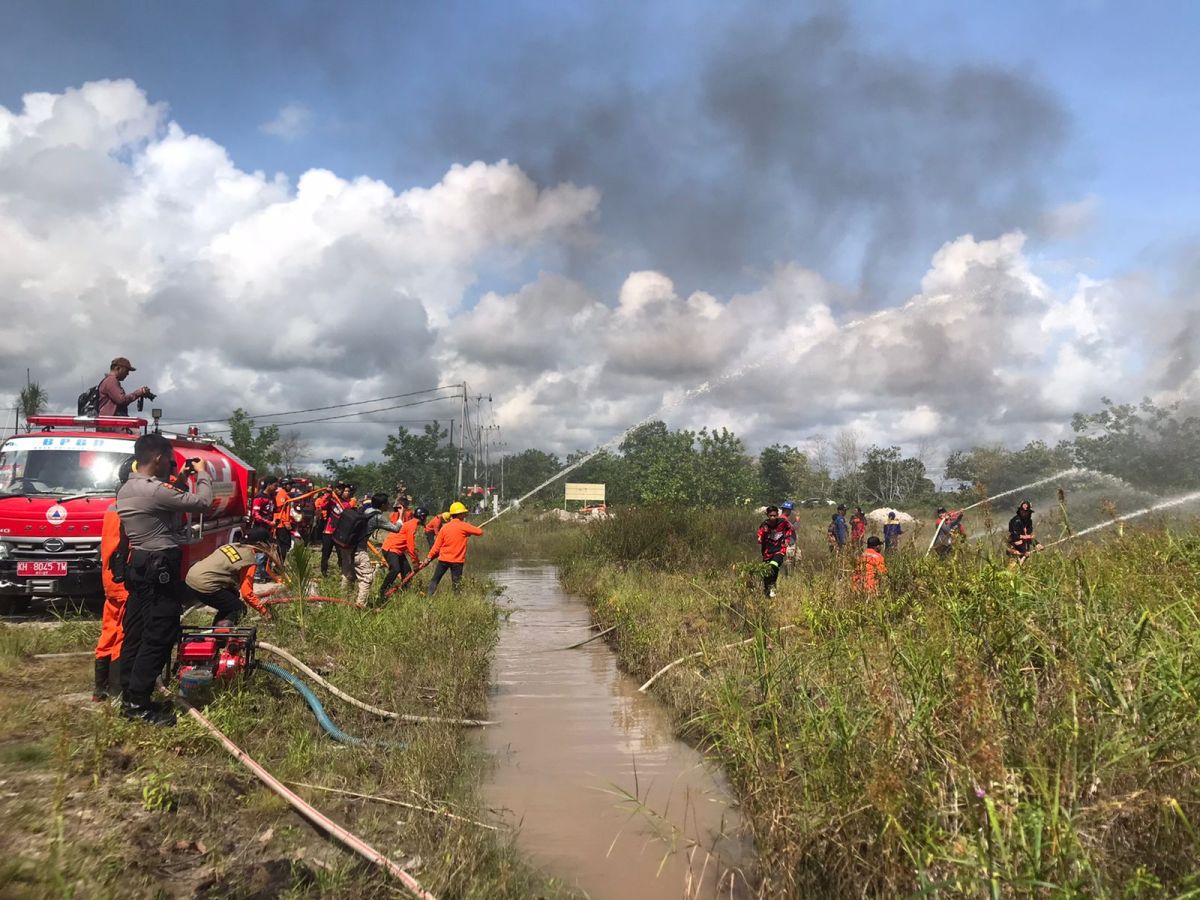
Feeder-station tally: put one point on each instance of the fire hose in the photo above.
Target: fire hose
(321, 821)
(313, 703)
(374, 710)
(407, 578)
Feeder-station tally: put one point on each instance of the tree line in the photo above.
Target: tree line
(1151, 446)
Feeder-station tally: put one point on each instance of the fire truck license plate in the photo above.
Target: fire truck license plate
(42, 569)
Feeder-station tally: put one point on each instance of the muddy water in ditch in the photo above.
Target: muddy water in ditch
(588, 770)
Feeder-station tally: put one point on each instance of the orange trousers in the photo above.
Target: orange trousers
(111, 631)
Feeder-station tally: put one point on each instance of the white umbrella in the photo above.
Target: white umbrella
(880, 516)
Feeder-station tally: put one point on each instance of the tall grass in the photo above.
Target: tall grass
(973, 728)
(96, 804)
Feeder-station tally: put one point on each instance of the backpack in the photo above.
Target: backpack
(88, 403)
(351, 528)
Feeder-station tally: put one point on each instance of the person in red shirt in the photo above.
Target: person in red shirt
(340, 498)
(450, 548)
(858, 526)
(262, 515)
(108, 648)
(871, 567)
(400, 551)
(774, 536)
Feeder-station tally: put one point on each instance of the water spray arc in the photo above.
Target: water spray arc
(1065, 473)
(1166, 504)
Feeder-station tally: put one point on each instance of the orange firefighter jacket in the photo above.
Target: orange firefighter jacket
(451, 543)
(283, 509)
(871, 567)
(403, 541)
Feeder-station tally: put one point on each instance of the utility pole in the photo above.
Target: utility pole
(451, 473)
(477, 436)
(462, 433)
(487, 452)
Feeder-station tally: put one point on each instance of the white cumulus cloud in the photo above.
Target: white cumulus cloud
(121, 233)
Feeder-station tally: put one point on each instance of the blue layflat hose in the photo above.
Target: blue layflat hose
(314, 704)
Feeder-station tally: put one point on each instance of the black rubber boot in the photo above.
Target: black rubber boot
(114, 678)
(103, 671)
(150, 712)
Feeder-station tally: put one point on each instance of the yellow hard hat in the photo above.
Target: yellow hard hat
(456, 508)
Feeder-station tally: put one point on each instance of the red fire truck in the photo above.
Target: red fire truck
(57, 482)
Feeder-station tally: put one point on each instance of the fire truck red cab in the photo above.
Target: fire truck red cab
(56, 484)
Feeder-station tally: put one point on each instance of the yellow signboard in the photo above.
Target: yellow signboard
(579, 491)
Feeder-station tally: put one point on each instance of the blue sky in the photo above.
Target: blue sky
(371, 73)
(700, 185)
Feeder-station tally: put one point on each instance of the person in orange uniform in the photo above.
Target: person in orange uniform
(108, 648)
(283, 521)
(400, 551)
(450, 547)
(434, 525)
(871, 567)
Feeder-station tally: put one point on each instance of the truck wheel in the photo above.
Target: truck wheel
(15, 606)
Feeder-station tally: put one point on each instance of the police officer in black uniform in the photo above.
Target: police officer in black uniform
(151, 514)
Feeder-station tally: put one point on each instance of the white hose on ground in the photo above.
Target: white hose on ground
(353, 701)
(594, 637)
(355, 843)
(64, 655)
(673, 663)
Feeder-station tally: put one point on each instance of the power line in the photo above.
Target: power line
(369, 421)
(344, 415)
(297, 412)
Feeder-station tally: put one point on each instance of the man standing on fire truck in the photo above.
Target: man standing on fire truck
(113, 399)
(150, 514)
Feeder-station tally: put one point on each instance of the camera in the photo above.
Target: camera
(147, 396)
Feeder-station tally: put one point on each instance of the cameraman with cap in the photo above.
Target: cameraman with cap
(113, 399)
(150, 514)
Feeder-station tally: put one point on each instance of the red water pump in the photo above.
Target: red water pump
(207, 656)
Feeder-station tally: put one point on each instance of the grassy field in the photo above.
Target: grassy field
(95, 806)
(974, 728)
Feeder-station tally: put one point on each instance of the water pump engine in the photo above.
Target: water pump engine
(208, 656)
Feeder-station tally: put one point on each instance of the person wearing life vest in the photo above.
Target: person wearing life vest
(891, 533)
(871, 567)
(1021, 540)
(400, 551)
(114, 556)
(434, 525)
(450, 548)
(774, 535)
(224, 579)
